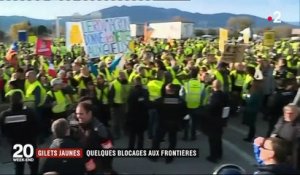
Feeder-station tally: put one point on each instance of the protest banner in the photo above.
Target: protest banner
(223, 37)
(233, 53)
(269, 38)
(43, 47)
(74, 34)
(106, 36)
(22, 35)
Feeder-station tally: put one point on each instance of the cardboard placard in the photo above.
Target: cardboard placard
(269, 38)
(233, 53)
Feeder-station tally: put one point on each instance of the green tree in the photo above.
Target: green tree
(239, 23)
(212, 32)
(199, 32)
(2, 35)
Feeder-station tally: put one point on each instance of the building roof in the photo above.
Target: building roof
(295, 31)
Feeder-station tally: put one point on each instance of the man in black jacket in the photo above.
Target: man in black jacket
(61, 131)
(137, 116)
(19, 125)
(91, 134)
(171, 109)
(214, 123)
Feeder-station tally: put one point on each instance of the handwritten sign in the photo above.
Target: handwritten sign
(269, 38)
(106, 36)
(233, 53)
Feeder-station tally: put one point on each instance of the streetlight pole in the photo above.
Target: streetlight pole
(57, 27)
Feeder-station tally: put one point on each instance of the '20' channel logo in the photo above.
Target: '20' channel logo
(23, 153)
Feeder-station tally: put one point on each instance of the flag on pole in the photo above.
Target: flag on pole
(115, 63)
(147, 32)
(11, 54)
(51, 71)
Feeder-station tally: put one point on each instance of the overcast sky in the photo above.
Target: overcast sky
(289, 9)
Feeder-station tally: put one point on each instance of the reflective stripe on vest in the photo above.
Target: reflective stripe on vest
(193, 90)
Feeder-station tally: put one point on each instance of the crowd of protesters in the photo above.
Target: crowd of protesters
(163, 87)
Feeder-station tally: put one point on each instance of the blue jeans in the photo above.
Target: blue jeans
(152, 123)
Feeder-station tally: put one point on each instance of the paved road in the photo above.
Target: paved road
(236, 151)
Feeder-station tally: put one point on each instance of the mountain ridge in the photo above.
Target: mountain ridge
(142, 14)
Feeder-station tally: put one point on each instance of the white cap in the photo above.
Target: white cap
(56, 81)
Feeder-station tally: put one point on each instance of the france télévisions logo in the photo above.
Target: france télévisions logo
(23, 153)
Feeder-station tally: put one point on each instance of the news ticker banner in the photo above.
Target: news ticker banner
(27, 153)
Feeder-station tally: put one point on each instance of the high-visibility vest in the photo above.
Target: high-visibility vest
(207, 94)
(121, 92)
(193, 91)
(154, 88)
(171, 70)
(63, 50)
(61, 101)
(245, 91)
(176, 82)
(12, 91)
(239, 78)
(107, 74)
(29, 96)
(104, 94)
(219, 77)
(132, 75)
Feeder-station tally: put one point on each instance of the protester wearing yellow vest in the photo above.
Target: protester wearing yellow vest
(237, 78)
(248, 81)
(118, 94)
(35, 93)
(103, 88)
(155, 92)
(192, 93)
(222, 75)
(56, 100)
(13, 86)
(103, 70)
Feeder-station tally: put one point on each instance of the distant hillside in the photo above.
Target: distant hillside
(141, 14)
(7, 21)
(294, 23)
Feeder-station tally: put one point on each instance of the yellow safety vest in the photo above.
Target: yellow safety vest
(220, 78)
(239, 78)
(30, 98)
(247, 81)
(121, 92)
(12, 91)
(104, 95)
(171, 70)
(107, 74)
(61, 101)
(207, 94)
(193, 91)
(154, 88)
